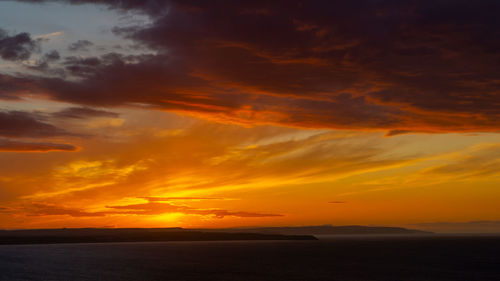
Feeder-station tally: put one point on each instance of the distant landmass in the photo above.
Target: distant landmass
(104, 235)
(326, 230)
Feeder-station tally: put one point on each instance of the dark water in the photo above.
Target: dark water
(394, 258)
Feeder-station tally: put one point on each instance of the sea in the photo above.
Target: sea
(395, 258)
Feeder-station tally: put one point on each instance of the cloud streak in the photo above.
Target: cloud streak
(145, 209)
(17, 146)
(159, 199)
(84, 112)
(477, 162)
(155, 208)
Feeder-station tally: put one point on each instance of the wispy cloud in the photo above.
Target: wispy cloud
(476, 162)
(49, 35)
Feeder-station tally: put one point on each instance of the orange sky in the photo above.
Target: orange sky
(184, 121)
(247, 176)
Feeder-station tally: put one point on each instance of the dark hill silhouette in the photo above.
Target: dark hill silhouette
(98, 235)
(103, 235)
(326, 230)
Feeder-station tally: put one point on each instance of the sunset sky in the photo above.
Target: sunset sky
(127, 113)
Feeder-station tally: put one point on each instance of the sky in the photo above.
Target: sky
(123, 113)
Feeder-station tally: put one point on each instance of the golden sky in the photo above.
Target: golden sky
(171, 116)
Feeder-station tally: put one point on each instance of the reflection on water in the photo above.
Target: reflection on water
(341, 258)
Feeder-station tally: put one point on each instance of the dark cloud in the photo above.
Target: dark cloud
(12, 88)
(43, 63)
(155, 208)
(82, 66)
(17, 146)
(337, 202)
(84, 112)
(80, 45)
(42, 209)
(150, 208)
(156, 199)
(397, 132)
(116, 80)
(152, 7)
(393, 65)
(52, 55)
(16, 47)
(24, 124)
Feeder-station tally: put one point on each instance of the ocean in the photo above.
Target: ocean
(396, 258)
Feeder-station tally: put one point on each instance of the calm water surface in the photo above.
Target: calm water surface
(376, 258)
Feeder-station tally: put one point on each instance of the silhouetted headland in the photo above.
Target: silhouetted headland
(326, 230)
(104, 235)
